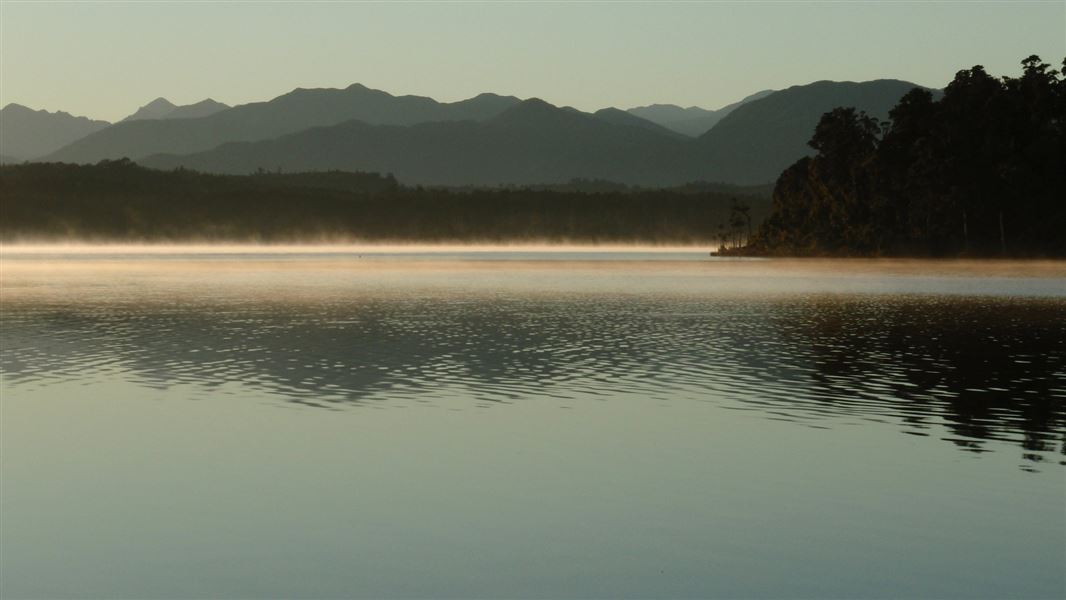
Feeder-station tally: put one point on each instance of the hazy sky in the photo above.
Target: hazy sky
(104, 59)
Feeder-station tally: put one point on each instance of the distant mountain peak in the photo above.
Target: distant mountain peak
(153, 110)
(160, 102)
(363, 90)
(161, 108)
(537, 102)
(529, 106)
(366, 90)
(15, 107)
(535, 111)
(667, 106)
(203, 108)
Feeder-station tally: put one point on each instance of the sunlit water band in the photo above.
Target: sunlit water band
(970, 351)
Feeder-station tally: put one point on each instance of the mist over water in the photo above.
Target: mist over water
(530, 422)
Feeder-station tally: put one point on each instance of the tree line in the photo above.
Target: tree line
(979, 171)
(121, 201)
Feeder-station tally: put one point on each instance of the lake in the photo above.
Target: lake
(518, 422)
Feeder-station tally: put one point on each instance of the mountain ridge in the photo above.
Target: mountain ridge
(488, 139)
(155, 109)
(26, 133)
(534, 142)
(161, 108)
(557, 145)
(299, 109)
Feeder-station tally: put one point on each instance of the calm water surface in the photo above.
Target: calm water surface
(225, 423)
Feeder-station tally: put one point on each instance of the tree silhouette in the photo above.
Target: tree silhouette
(980, 171)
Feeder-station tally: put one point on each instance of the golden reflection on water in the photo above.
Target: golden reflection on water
(310, 275)
(411, 248)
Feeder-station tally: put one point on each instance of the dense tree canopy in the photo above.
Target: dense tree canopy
(980, 171)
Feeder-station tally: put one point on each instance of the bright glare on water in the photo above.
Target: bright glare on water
(413, 422)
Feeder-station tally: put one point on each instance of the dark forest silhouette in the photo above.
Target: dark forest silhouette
(980, 171)
(121, 201)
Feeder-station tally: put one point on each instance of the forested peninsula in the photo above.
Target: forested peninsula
(979, 172)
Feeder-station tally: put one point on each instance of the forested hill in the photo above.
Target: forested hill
(120, 201)
(980, 171)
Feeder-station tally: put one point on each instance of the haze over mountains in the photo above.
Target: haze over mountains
(692, 121)
(485, 140)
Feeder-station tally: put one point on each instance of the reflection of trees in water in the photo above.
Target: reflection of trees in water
(986, 370)
(990, 370)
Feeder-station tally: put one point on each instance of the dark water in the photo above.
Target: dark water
(528, 424)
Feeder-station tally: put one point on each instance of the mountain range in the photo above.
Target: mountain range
(485, 140)
(530, 142)
(27, 134)
(295, 111)
(535, 142)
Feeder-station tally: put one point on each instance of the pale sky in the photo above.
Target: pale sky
(105, 59)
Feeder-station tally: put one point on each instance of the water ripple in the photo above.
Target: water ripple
(981, 368)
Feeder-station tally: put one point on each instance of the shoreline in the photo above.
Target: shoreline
(451, 247)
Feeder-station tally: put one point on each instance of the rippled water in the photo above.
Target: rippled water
(367, 423)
